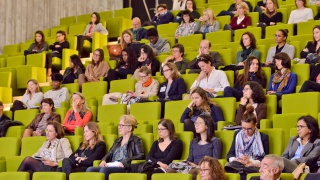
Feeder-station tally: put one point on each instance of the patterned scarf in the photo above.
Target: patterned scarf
(72, 117)
(281, 78)
(48, 150)
(253, 148)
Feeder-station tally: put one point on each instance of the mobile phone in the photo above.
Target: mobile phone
(38, 158)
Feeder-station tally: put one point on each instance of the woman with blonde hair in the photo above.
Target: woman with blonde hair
(126, 38)
(92, 148)
(79, 115)
(31, 98)
(242, 20)
(211, 169)
(126, 148)
(208, 22)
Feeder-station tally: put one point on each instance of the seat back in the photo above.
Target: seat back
(138, 110)
(86, 175)
(219, 36)
(67, 20)
(175, 176)
(167, 30)
(174, 110)
(226, 56)
(189, 79)
(111, 114)
(302, 71)
(94, 89)
(135, 176)
(12, 146)
(74, 142)
(25, 116)
(226, 138)
(122, 85)
(186, 137)
(49, 176)
(13, 61)
(109, 140)
(228, 106)
(256, 31)
(77, 29)
(11, 49)
(15, 175)
(106, 14)
(271, 102)
(5, 79)
(31, 145)
(115, 26)
(36, 60)
(124, 12)
(191, 41)
(54, 30)
(147, 139)
(276, 139)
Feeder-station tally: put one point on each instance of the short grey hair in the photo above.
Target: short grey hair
(277, 161)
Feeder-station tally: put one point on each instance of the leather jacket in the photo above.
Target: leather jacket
(135, 150)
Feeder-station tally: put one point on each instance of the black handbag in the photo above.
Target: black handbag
(237, 167)
(143, 167)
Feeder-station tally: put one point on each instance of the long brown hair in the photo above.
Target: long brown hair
(244, 77)
(34, 82)
(267, 12)
(41, 43)
(122, 41)
(97, 136)
(205, 106)
(167, 123)
(101, 57)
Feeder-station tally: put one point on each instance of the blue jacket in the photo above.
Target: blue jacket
(177, 89)
(216, 114)
(163, 19)
(289, 88)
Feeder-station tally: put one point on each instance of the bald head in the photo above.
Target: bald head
(136, 23)
(205, 46)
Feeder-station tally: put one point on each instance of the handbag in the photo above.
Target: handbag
(312, 58)
(181, 167)
(128, 100)
(237, 167)
(114, 50)
(142, 167)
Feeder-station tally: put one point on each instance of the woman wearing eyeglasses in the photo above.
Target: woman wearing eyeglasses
(126, 148)
(211, 169)
(200, 104)
(98, 67)
(304, 146)
(249, 145)
(205, 144)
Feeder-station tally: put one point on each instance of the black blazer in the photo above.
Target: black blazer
(4, 117)
(177, 88)
(265, 144)
(312, 176)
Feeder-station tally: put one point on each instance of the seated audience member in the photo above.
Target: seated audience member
(138, 31)
(158, 44)
(204, 144)
(179, 4)
(283, 81)
(75, 71)
(39, 44)
(2, 116)
(252, 72)
(281, 39)
(200, 104)
(210, 168)
(79, 115)
(98, 67)
(147, 58)
(249, 48)
(50, 153)
(313, 84)
(260, 7)
(242, 20)
(210, 79)
(58, 94)
(205, 48)
(253, 95)
(126, 38)
(39, 123)
(145, 87)
(301, 14)
(271, 16)
(249, 145)
(56, 48)
(126, 148)
(232, 11)
(207, 23)
(312, 46)
(271, 168)
(191, 6)
(303, 147)
(92, 148)
(188, 26)
(163, 16)
(94, 26)
(164, 150)
(31, 98)
(177, 58)
(128, 63)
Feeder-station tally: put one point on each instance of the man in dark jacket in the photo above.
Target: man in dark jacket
(163, 16)
(138, 31)
(2, 116)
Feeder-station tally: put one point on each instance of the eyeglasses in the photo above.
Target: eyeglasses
(300, 127)
(96, 54)
(161, 129)
(166, 70)
(122, 125)
(58, 36)
(247, 129)
(204, 170)
(246, 89)
(141, 77)
(277, 35)
(197, 123)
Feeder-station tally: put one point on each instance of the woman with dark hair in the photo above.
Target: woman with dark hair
(164, 150)
(204, 144)
(249, 145)
(78, 116)
(200, 104)
(128, 63)
(253, 95)
(147, 58)
(283, 81)
(126, 38)
(54, 150)
(98, 67)
(281, 39)
(39, 123)
(39, 44)
(252, 72)
(75, 71)
(211, 169)
(313, 46)
(301, 14)
(304, 146)
(94, 26)
(90, 149)
(177, 58)
(56, 48)
(249, 48)
(126, 148)
(191, 6)
(188, 26)
(313, 84)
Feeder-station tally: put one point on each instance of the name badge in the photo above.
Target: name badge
(163, 89)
